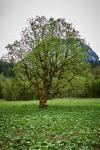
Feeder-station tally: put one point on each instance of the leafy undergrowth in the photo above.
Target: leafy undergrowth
(63, 125)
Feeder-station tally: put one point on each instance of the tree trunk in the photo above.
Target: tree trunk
(43, 98)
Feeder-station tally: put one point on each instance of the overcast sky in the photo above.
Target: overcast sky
(84, 14)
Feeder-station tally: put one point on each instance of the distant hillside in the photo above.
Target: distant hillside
(92, 56)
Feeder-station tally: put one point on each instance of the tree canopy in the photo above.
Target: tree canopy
(50, 55)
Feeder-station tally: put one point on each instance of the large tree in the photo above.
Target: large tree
(50, 54)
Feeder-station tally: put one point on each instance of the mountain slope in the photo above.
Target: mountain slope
(92, 56)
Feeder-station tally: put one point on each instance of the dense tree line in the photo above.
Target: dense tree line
(6, 68)
(12, 88)
(15, 88)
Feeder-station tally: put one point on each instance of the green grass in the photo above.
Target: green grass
(67, 124)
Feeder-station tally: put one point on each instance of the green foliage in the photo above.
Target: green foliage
(72, 124)
(2, 79)
(14, 89)
(8, 90)
(7, 68)
(93, 84)
(93, 88)
(96, 71)
(1, 92)
(24, 89)
(49, 55)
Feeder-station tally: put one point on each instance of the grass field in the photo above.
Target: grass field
(67, 124)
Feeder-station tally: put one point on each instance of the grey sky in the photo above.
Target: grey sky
(84, 14)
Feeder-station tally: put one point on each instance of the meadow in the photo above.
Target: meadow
(66, 124)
